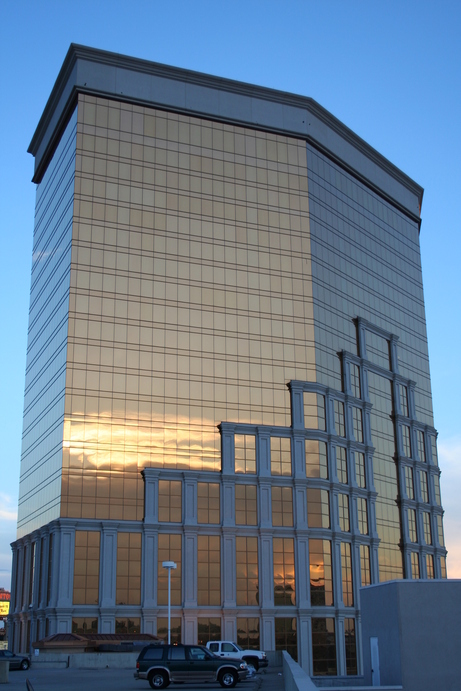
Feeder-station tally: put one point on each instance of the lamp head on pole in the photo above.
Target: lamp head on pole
(169, 565)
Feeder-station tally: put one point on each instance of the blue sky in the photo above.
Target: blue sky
(390, 70)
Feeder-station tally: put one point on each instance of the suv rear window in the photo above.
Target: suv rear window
(153, 653)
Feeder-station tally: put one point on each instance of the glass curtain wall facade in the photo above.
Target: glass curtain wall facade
(227, 367)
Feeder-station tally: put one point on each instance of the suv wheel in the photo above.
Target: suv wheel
(24, 664)
(158, 680)
(252, 661)
(228, 678)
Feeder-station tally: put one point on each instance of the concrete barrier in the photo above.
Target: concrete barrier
(51, 660)
(294, 676)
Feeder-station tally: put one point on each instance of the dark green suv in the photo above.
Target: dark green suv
(162, 665)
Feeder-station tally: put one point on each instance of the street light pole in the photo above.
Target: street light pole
(169, 565)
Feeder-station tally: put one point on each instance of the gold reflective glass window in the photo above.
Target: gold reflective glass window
(86, 567)
(443, 567)
(440, 531)
(247, 571)
(208, 502)
(355, 380)
(412, 531)
(360, 474)
(170, 501)
(281, 456)
(427, 528)
(320, 570)
(430, 566)
(286, 635)
(351, 646)
(357, 424)
(208, 629)
(246, 505)
(437, 496)
(365, 565)
(341, 464)
(245, 453)
(414, 557)
(323, 646)
(318, 508)
(314, 411)
(128, 625)
(128, 588)
(346, 569)
(316, 459)
(403, 400)
(421, 446)
(343, 508)
(209, 570)
(175, 629)
(84, 625)
(282, 506)
(423, 486)
(409, 485)
(362, 515)
(339, 418)
(406, 443)
(169, 549)
(284, 571)
(248, 633)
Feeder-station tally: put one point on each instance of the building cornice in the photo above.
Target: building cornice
(133, 80)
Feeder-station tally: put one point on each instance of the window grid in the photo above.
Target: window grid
(409, 485)
(423, 486)
(246, 505)
(248, 633)
(282, 506)
(360, 474)
(169, 501)
(429, 566)
(86, 567)
(414, 565)
(341, 464)
(357, 424)
(343, 508)
(320, 573)
(365, 565)
(208, 570)
(208, 502)
(128, 578)
(362, 515)
(421, 447)
(208, 629)
(427, 528)
(281, 456)
(438, 499)
(440, 531)
(406, 444)
(346, 568)
(316, 459)
(412, 532)
(169, 549)
(351, 647)
(403, 400)
(323, 646)
(318, 508)
(245, 453)
(284, 571)
(247, 571)
(355, 380)
(339, 418)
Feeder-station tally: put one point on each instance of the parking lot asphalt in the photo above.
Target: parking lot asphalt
(72, 679)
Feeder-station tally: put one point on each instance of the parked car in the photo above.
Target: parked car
(16, 661)
(257, 658)
(162, 665)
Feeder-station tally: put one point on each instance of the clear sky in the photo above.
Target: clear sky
(390, 70)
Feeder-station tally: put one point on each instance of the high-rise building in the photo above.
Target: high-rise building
(227, 367)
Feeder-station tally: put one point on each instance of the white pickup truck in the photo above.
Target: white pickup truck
(230, 649)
